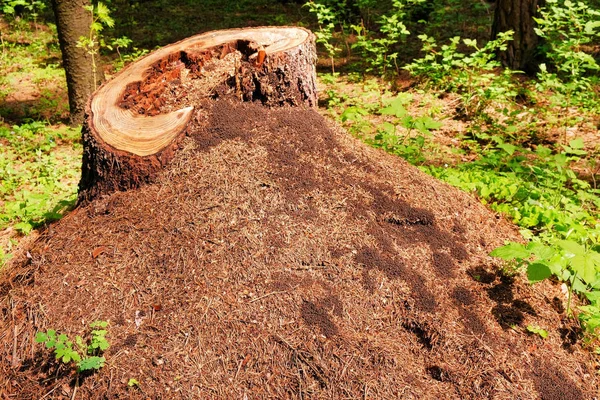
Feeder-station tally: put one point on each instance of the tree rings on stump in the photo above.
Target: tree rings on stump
(132, 130)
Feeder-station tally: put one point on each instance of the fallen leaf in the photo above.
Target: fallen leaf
(98, 250)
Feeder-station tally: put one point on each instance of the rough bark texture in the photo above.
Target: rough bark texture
(72, 22)
(517, 15)
(136, 122)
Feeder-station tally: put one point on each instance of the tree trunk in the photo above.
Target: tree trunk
(72, 22)
(517, 15)
(136, 121)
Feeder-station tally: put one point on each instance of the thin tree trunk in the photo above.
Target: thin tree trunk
(517, 15)
(72, 22)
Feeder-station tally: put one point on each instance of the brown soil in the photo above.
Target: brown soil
(276, 257)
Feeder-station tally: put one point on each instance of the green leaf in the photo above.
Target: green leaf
(538, 272)
(508, 148)
(511, 251)
(99, 324)
(585, 267)
(89, 363)
(577, 144)
(396, 107)
(133, 382)
(571, 248)
(541, 251)
(23, 227)
(41, 337)
(590, 27)
(353, 113)
(538, 331)
(470, 42)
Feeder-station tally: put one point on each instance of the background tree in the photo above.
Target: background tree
(73, 21)
(517, 15)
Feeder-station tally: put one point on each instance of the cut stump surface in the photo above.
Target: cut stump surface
(129, 134)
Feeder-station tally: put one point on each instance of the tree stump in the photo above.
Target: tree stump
(135, 123)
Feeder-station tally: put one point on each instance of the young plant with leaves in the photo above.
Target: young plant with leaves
(407, 145)
(379, 50)
(472, 75)
(327, 19)
(85, 356)
(570, 29)
(100, 15)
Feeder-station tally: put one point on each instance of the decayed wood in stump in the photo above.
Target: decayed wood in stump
(132, 130)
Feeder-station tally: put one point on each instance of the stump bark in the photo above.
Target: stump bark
(135, 122)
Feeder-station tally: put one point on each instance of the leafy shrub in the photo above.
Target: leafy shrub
(567, 28)
(379, 50)
(474, 76)
(380, 29)
(327, 19)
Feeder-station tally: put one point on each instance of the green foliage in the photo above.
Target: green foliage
(133, 382)
(540, 191)
(568, 29)
(378, 49)
(472, 75)
(380, 29)
(327, 19)
(100, 15)
(38, 179)
(407, 145)
(537, 331)
(31, 8)
(84, 356)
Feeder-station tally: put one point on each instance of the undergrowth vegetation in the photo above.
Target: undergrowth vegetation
(527, 146)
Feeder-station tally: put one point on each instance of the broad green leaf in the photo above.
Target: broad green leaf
(396, 107)
(571, 248)
(353, 113)
(585, 267)
(579, 286)
(511, 251)
(508, 148)
(590, 27)
(388, 128)
(541, 251)
(577, 143)
(593, 297)
(538, 272)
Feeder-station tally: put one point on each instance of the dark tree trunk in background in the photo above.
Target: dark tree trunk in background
(72, 22)
(517, 15)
